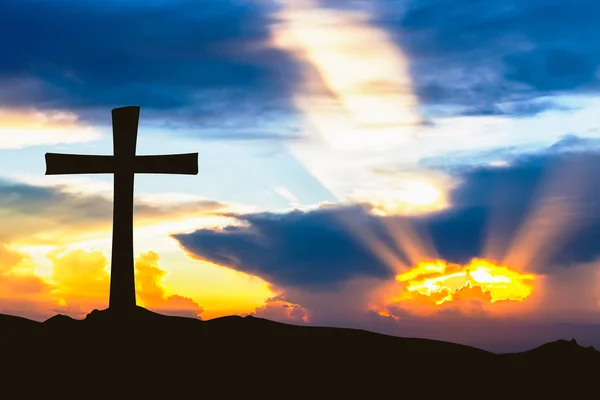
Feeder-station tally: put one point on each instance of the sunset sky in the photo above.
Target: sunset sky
(422, 168)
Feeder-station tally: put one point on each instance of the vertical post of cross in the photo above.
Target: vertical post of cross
(122, 282)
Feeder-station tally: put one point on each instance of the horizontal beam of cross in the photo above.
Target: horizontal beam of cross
(63, 164)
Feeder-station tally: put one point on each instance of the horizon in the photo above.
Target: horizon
(418, 170)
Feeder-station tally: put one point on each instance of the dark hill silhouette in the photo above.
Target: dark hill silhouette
(152, 353)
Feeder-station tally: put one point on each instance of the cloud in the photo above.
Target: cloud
(22, 292)
(26, 127)
(496, 57)
(301, 248)
(341, 305)
(179, 59)
(49, 215)
(278, 309)
(79, 283)
(189, 65)
(538, 214)
(82, 281)
(504, 156)
(151, 291)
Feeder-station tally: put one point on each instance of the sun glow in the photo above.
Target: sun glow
(418, 197)
(443, 282)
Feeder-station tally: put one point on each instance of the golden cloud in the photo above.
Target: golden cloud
(79, 283)
(152, 293)
(22, 292)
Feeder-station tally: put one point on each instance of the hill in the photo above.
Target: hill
(151, 353)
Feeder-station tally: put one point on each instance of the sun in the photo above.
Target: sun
(443, 282)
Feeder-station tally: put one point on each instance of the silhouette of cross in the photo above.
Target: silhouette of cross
(124, 165)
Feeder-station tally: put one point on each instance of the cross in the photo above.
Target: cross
(124, 164)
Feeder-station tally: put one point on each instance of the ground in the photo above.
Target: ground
(148, 353)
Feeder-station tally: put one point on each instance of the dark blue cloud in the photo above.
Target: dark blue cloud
(204, 58)
(310, 249)
(492, 57)
(320, 247)
(497, 57)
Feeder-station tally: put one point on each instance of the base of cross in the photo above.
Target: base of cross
(133, 313)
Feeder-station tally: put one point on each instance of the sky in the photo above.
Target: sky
(420, 168)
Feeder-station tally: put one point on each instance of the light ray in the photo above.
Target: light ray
(555, 216)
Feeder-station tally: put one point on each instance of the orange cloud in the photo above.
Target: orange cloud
(21, 291)
(151, 291)
(278, 309)
(80, 282)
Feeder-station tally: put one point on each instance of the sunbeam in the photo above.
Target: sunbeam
(356, 97)
(555, 215)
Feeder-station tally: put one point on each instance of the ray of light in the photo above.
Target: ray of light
(362, 229)
(556, 214)
(356, 96)
(416, 245)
